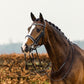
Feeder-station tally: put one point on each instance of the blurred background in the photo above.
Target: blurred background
(68, 15)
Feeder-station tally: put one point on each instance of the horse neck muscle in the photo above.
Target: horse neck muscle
(57, 47)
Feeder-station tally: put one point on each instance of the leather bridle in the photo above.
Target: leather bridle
(36, 41)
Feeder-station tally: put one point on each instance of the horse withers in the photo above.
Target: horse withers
(67, 58)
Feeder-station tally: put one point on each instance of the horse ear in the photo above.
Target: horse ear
(33, 17)
(41, 18)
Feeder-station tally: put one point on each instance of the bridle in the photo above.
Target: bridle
(35, 42)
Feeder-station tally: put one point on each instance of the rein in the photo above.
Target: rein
(47, 66)
(65, 74)
(31, 57)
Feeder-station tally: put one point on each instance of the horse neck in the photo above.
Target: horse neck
(57, 47)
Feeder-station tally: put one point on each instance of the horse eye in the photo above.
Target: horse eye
(38, 30)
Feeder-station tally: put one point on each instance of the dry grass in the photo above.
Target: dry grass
(12, 70)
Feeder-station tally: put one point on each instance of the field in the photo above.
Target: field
(12, 70)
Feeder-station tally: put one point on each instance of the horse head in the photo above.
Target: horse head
(36, 34)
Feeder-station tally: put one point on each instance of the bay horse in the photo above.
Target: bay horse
(66, 57)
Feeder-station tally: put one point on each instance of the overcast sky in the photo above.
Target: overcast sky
(68, 15)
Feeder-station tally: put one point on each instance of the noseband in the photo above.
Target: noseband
(35, 41)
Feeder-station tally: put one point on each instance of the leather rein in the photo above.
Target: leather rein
(35, 42)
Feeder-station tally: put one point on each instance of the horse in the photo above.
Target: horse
(66, 57)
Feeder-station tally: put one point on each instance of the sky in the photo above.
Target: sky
(68, 15)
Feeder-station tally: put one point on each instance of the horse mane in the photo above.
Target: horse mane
(57, 28)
